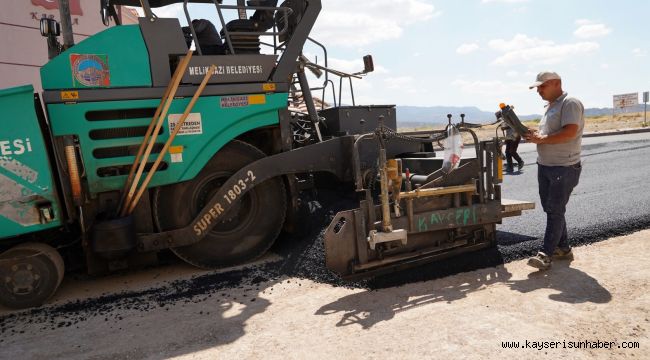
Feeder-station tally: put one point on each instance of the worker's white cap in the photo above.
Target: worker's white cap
(543, 77)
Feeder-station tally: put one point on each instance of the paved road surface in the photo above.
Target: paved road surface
(613, 195)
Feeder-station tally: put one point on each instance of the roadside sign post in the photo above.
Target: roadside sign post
(624, 101)
(645, 107)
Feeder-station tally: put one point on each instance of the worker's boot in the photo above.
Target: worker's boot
(540, 261)
(563, 254)
(509, 167)
(520, 165)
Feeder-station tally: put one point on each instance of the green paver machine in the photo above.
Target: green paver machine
(138, 144)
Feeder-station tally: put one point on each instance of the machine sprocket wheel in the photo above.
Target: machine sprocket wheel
(30, 273)
(248, 229)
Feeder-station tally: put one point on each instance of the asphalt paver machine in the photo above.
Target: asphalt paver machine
(141, 141)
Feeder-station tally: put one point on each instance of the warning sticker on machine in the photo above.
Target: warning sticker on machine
(191, 126)
(234, 101)
(176, 153)
(69, 95)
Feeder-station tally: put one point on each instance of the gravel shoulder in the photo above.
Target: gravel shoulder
(601, 296)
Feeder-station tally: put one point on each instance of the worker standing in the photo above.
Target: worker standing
(558, 142)
(512, 143)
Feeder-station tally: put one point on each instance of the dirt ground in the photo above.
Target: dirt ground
(593, 124)
(601, 296)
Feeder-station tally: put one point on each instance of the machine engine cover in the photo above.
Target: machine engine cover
(347, 120)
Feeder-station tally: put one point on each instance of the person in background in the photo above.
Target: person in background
(512, 143)
(558, 140)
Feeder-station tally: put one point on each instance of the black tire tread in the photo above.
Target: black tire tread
(274, 231)
(55, 259)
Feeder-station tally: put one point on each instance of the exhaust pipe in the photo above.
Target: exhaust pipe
(66, 24)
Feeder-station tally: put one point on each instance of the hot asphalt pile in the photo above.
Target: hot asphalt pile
(303, 258)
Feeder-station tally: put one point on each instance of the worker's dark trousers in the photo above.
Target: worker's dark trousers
(555, 186)
(511, 152)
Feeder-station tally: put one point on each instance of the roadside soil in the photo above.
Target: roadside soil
(601, 296)
(594, 124)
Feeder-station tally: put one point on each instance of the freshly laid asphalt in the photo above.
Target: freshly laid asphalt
(612, 199)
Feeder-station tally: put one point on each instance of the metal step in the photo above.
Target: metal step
(510, 207)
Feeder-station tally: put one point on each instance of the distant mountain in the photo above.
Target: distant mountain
(411, 116)
(608, 111)
(418, 115)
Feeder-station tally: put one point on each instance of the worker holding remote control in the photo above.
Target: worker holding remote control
(558, 142)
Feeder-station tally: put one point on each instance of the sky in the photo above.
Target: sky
(480, 52)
